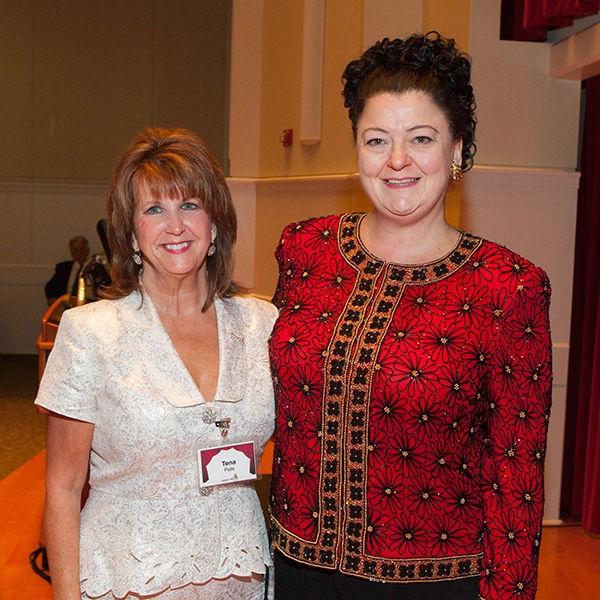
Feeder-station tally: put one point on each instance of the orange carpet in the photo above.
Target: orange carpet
(21, 507)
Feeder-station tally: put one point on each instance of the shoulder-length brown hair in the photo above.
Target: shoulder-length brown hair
(172, 163)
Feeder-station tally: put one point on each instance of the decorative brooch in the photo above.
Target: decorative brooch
(211, 415)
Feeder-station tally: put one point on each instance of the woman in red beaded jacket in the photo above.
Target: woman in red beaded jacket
(412, 365)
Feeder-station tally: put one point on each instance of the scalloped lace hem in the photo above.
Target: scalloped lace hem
(232, 587)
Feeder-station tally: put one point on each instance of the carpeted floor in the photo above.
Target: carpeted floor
(22, 428)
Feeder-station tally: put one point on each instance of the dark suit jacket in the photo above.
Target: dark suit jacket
(57, 286)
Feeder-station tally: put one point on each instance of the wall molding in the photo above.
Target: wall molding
(327, 183)
(31, 187)
(578, 57)
(523, 177)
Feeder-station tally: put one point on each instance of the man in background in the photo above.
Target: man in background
(66, 273)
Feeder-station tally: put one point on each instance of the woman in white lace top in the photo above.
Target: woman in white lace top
(162, 391)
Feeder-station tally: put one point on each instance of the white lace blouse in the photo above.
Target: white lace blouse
(146, 526)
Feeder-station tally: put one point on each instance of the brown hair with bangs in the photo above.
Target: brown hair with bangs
(171, 163)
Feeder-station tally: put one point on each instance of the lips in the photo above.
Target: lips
(177, 247)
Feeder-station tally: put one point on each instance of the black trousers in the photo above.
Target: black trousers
(295, 581)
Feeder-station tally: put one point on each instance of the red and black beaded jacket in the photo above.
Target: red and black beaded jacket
(412, 410)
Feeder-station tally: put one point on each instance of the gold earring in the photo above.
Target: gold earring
(455, 171)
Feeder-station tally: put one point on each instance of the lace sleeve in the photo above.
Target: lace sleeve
(68, 386)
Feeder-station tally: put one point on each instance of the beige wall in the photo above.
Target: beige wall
(391, 18)
(400, 18)
(451, 18)
(526, 118)
(287, 184)
(81, 77)
(281, 89)
(350, 26)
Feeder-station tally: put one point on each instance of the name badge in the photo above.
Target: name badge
(227, 464)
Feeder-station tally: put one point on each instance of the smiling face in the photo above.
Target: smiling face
(173, 235)
(405, 150)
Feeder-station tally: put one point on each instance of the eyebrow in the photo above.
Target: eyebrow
(376, 129)
(410, 129)
(422, 127)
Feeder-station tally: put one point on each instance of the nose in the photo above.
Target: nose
(175, 224)
(398, 157)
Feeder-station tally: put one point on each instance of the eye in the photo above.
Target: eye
(422, 139)
(154, 210)
(190, 206)
(375, 142)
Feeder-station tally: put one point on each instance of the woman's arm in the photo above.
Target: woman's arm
(68, 452)
(519, 407)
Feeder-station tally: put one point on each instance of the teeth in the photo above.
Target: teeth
(176, 246)
(401, 181)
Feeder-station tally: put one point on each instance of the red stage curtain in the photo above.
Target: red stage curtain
(581, 465)
(573, 8)
(533, 17)
(511, 23)
(529, 20)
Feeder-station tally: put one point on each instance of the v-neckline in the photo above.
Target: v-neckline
(179, 361)
(232, 328)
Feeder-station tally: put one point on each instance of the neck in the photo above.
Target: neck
(407, 243)
(176, 296)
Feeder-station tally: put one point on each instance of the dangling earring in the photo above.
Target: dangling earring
(211, 249)
(137, 258)
(455, 172)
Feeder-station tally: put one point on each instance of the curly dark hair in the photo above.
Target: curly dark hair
(170, 163)
(426, 63)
